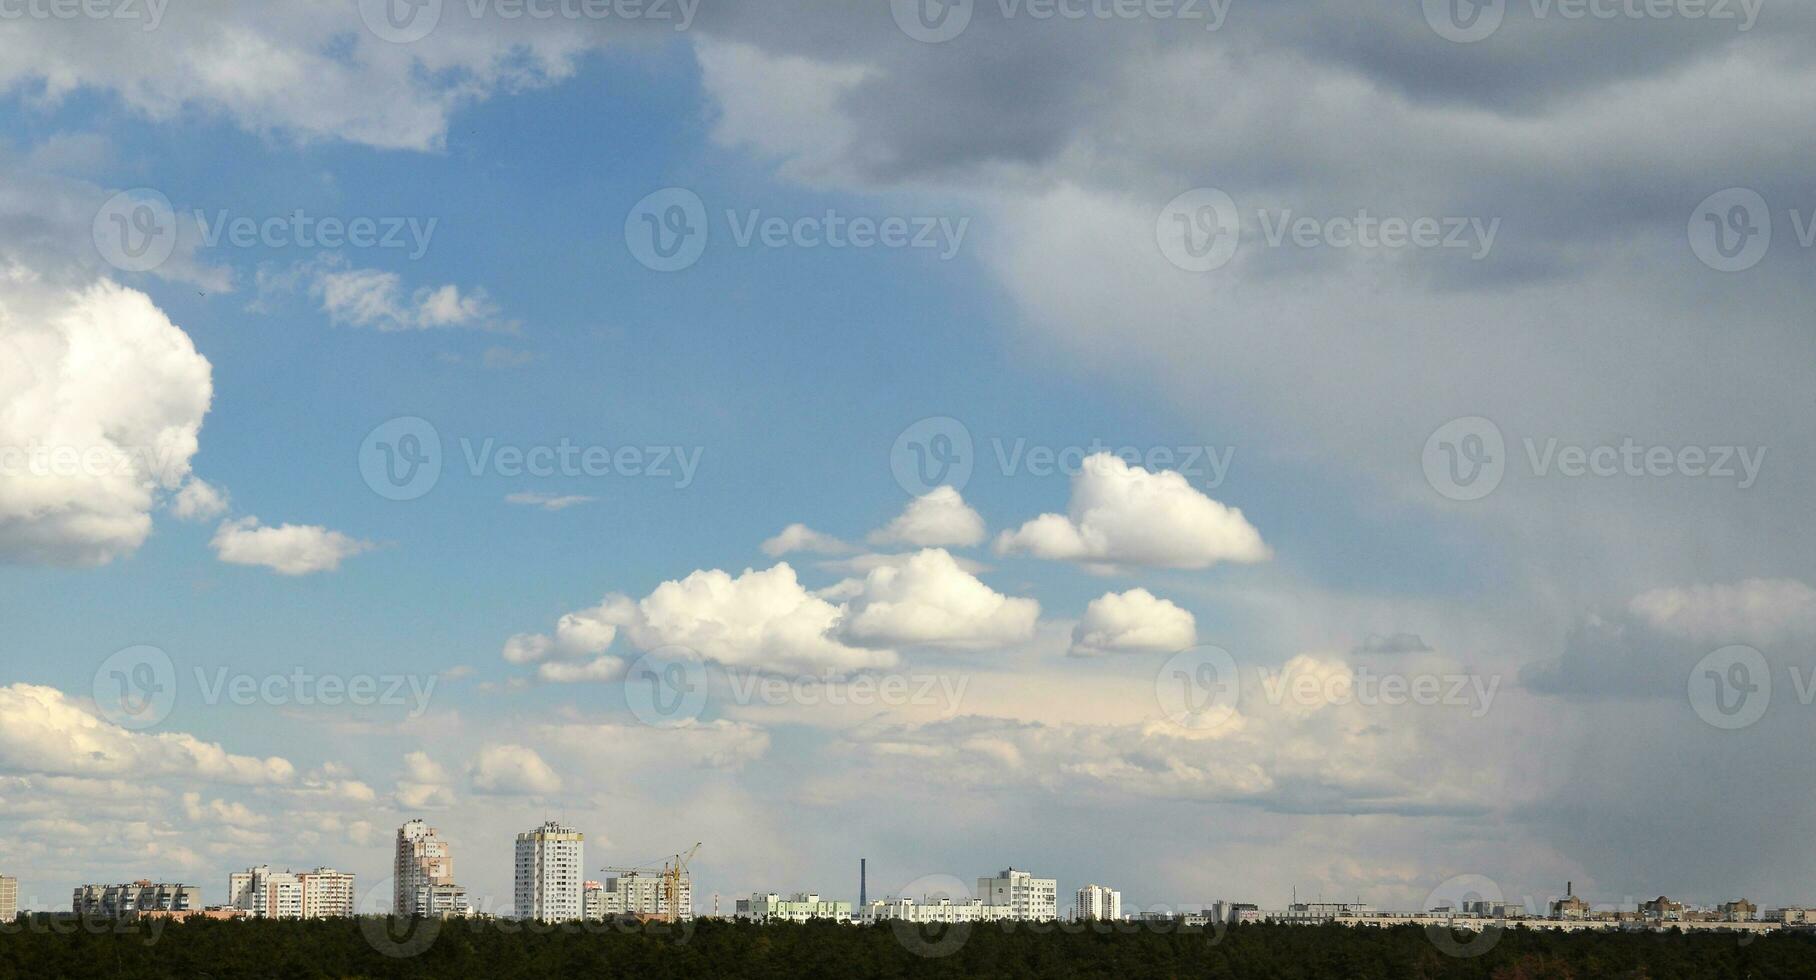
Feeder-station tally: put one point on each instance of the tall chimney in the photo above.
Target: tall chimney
(863, 882)
(1568, 885)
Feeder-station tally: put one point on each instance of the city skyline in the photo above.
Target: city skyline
(1244, 451)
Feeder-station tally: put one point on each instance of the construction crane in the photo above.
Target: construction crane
(672, 874)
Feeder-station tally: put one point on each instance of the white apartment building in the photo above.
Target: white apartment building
(1028, 898)
(9, 898)
(550, 874)
(1097, 902)
(320, 894)
(423, 874)
(632, 893)
(799, 907)
(944, 910)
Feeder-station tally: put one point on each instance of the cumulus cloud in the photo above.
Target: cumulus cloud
(512, 770)
(937, 519)
(42, 730)
(761, 620)
(1135, 621)
(1762, 611)
(800, 537)
(719, 744)
(101, 407)
(1124, 515)
(929, 600)
(425, 785)
(199, 500)
(288, 549)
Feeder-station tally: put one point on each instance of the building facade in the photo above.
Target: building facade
(1097, 902)
(633, 893)
(423, 882)
(9, 898)
(799, 907)
(944, 910)
(1027, 897)
(266, 894)
(551, 874)
(121, 901)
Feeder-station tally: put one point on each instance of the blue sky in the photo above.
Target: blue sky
(1064, 318)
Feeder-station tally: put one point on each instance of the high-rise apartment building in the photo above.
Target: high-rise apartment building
(1097, 902)
(9, 898)
(320, 894)
(423, 874)
(644, 894)
(1027, 897)
(550, 874)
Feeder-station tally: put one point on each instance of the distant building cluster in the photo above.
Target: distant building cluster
(551, 886)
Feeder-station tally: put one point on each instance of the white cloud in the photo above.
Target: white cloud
(43, 731)
(800, 537)
(1123, 515)
(101, 405)
(935, 520)
(1135, 621)
(719, 744)
(548, 501)
(513, 770)
(1753, 611)
(288, 549)
(425, 784)
(198, 500)
(371, 298)
(929, 600)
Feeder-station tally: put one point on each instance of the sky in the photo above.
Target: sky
(1219, 450)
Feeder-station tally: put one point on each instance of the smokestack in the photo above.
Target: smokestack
(1568, 885)
(863, 882)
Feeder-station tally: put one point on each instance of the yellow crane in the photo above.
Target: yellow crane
(671, 881)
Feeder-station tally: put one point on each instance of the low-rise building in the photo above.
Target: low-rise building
(1737, 911)
(943, 910)
(122, 901)
(799, 907)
